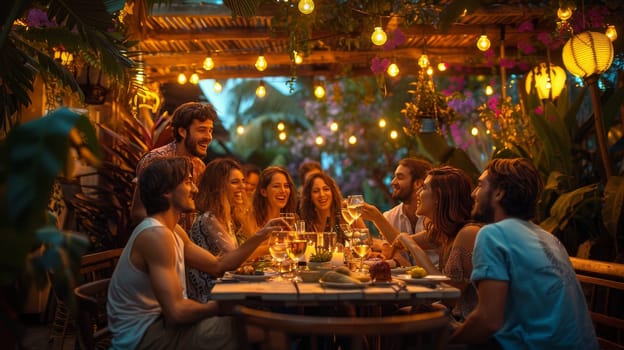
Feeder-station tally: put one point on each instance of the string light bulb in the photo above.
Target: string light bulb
(306, 6)
(423, 61)
(261, 63)
(489, 90)
(217, 87)
(382, 123)
(352, 140)
(208, 63)
(483, 43)
(240, 129)
(429, 71)
(282, 136)
(564, 14)
(181, 78)
(379, 37)
(333, 126)
(194, 79)
(394, 134)
(319, 91)
(319, 140)
(281, 126)
(297, 57)
(611, 32)
(393, 70)
(441, 66)
(261, 90)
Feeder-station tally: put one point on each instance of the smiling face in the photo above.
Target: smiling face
(277, 192)
(236, 187)
(321, 195)
(403, 184)
(198, 137)
(183, 196)
(428, 200)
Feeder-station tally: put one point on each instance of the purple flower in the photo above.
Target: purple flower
(526, 47)
(379, 66)
(526, 26)
(39, 19)
(395, 38)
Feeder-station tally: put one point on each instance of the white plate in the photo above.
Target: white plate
(253, 278)
(344, 285)
(427, 279)
(401, 270)
(385, 283)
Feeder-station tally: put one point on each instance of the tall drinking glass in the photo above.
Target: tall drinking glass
(290, 219)
(278, 246)
(361, 242)
(354, 204)
(296, 251)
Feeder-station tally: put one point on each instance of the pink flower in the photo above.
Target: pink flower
(395, 38)
(379, 66)
(545, 38)
(526, 26)
(539, 110)
(526, 47)
(507, 62)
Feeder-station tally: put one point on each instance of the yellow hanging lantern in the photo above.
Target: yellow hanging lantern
(588, 53)
(393, 70)
(379, 37)
(483, 43)
(547, 80)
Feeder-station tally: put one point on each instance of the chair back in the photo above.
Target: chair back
(603, 285)
(404, 331)
(99, 265)
(91, 317)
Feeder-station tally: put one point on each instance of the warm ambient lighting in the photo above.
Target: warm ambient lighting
(393, 70)
(240, 130)
(261, 90)
(281, 126)
(474, 131)
(352, 140)
(333, 126)
(441, 66)
(588, 53)
(547, 80)
(194, 79)
(297, 57)
(181, 79)
(429, 71)
(564, 14)
(394, 134)
(261, 63)
(306, 6)
(319, 140)
(319, 91)
(489, 90)
(208, 63)
(423, 61)
(611, 32)
(483, 43)
(282, 136)
(379, 37)
(382, 123)
(64, 57)
(217, 87)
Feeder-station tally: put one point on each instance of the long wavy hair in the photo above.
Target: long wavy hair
(452, 190)
(261, 203)
(213, 198)
(307, 210)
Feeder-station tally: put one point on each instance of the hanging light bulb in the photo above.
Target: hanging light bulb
(352, 140)
(393, 70)
(611, 32)
(194, 79)
(394, 134)
(240, 130)
(429, 71)
(333, 126)
(382, 123)
(423, 61)
(208, 63)
(297, 57)
(282, 136)
(217, 87)
(441, 66)
(489, 90)
(564, 14)
(474, 131)
(261, 90)
(181, 79)
(319, 91)
(261, 63)
(379, 37)
(319, 140)
(281, 126)
(483, 43)
(306, 6)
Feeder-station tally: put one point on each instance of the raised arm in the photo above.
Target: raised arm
(371, 213)
(419, 255)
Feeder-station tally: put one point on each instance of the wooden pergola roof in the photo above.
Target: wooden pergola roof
(177, 38)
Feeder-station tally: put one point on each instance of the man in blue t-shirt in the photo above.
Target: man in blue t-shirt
(529, 297)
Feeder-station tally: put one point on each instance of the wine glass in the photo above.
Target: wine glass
(290, 219)
(361, 244)
(278, 245)
(296, 251)
(346, 215)
(354, 204)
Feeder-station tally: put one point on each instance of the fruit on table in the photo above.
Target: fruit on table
(417, 272)
(380, 272)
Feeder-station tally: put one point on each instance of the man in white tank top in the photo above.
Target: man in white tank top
(147, 303)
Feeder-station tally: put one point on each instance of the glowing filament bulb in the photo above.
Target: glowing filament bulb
(297, 57)
(379, 37)
(394, 134)
(319, 91)
(281, 126)
(261, 90)
(208, 63)
(393, 70)
(261, 63)
(217, 87)
(489, 90)
(611, 33)
(306, 6)
(319, 140)
(282, 136)
(474, 131)
(194, 79)
(423, 61)
(382, 123)
(564, 14)
(483, 43)
(352, 140)
(441, 66)
(181, 79)
(240, 130)
(333, 126)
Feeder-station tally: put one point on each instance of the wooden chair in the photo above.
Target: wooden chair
(603, 284)
(93, 267)
(425, 330)
(91, 318)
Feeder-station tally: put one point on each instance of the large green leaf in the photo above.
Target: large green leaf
(612, 213)
(566, 205)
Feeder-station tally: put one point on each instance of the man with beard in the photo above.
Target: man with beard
(406, 183)
(147, 303)
(529, 296)
(192, 124)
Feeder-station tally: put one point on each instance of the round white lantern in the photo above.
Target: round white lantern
(588, 53)
(547, 80)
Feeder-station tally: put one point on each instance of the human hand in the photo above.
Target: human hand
(369, 212)
(277, 224)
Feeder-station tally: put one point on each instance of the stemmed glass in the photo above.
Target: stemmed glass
(296, 251)
(344, 210)
(361, 244)
(354, 204)
(278, 246)
(290, 219)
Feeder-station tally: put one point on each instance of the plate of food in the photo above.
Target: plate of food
(256, 277)
(428, 279)
(342, 279)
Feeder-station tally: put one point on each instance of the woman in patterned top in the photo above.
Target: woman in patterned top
(226, 220)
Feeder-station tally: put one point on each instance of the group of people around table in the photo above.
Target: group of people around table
(518, 288)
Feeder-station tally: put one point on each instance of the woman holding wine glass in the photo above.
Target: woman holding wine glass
(275, 194)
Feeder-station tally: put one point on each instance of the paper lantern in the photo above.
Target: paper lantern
(588, 53)
(547, 80)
